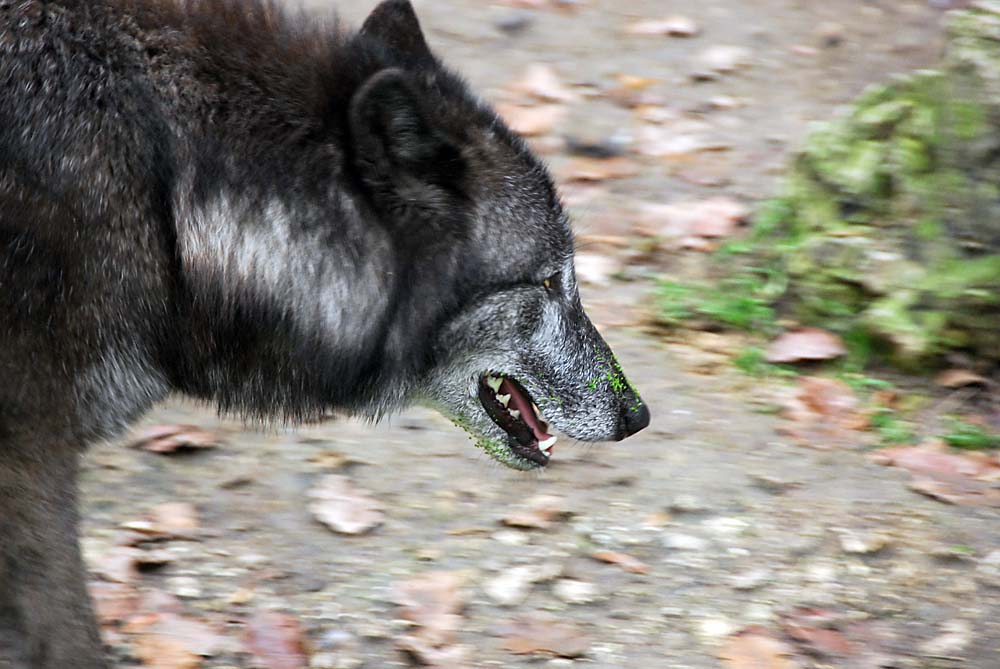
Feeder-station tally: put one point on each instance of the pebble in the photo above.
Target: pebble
(186, 587)
(573, 591)
(688, 504)
(726, 527)
(685, 542)
(752, 579)
(988, 571)
(863, 543)
(724, 59)
(515, 23)
(513, 585)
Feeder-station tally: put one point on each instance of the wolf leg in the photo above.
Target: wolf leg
(46, 621)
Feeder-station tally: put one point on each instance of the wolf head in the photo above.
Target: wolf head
(513, 357)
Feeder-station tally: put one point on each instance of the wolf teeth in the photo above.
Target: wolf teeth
(547, 444)
(538, 412)
(504, 400)
(515, 413)
(494, 383)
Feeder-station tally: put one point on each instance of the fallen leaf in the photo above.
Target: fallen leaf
(531, 121)
(342, 508)
(815, 638)
(623, 560)
(545, 635)
(824, 413)
(597, 169)
(118, 564)
(937, 460)
(959, 378)
(541, 82)
(432, 603)
(539, 512)
(174, 518)
(957, 490)
(674, 26)
(113, 602)
(756, 648)
(168, 439)
(277, 641)
(595, 269)
(805, 344)
(686, 220)
(171, 641)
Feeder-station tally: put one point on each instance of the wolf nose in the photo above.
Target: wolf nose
(636, 418)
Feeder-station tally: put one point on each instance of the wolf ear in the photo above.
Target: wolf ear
(395, 141)
(395, 23)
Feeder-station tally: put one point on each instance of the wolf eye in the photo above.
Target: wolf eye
(550, 283)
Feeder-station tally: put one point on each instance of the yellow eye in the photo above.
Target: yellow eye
(548, 284)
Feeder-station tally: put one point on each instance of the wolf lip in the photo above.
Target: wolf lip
(510, 406)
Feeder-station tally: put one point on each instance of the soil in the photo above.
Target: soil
(738, 526)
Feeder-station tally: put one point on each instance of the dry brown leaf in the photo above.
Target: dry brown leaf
(532, 121)
(595, 268)
(959, 378)
(113, 602)
(673, 26)
(958, 490)
(174, 518)
(806, 344)
(597, 169)
(545, 635)
(168, 439)
(816, 639)
(277, 641)
(824, 413)
(623, 560)
(171, 641)
(936, 460)
(432, 603)
(689, 220)
(117, 564)
(756, 648)
(541, 81)
(343, 508)
(539, 512)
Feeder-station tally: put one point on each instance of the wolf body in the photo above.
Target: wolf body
(262, 210)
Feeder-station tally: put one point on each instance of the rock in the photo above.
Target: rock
(685, 542)
(514, 584)
(753, 579)
(988, 570)
(863, 543)
(724, 58)
(573, 591)
(186, 587)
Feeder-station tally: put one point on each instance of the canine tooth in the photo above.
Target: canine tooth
(538, 412)
(514, 412)
(503, 399)
(494, 383)
(547, 444)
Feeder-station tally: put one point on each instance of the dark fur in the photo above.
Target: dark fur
(247, 206)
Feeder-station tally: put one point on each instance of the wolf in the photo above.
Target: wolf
(262, 209)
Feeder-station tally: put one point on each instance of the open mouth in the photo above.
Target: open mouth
(510, 406)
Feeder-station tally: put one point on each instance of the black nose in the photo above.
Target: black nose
(636, 418)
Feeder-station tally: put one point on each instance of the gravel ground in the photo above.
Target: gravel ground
(736, 527)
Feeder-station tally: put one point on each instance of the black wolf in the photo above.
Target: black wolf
(224, 199)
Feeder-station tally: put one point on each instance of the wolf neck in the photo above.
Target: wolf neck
(265, 213)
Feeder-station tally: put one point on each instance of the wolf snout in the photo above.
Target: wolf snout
(634, 419)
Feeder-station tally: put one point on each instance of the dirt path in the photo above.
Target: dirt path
(736, 526)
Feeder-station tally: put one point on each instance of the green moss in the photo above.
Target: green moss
(962, 434)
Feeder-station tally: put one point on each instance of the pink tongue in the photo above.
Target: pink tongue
(522, 404)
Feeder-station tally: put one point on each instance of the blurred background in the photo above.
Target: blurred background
(788, 220)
